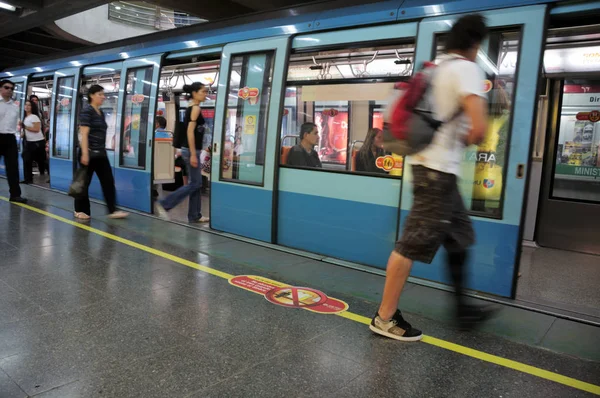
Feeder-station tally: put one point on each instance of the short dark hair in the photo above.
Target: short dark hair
(192, 88)
(306, 128)
(3, 82)
(467, 32)
(162, 122)
(96, 88)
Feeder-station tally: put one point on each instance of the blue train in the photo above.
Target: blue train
(333, 64)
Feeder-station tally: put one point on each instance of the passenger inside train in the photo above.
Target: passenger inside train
(304, 154)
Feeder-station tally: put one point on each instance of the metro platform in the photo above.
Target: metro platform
(147, 308)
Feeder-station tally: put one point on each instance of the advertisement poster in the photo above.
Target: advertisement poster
(333, 131)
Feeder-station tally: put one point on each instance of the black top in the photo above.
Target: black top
(97, 124)
(300, 157)
(198, 133)
(368, 165)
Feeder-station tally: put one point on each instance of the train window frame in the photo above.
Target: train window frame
(71, 142)
(518, 30)
(345, 81)
(121, 153)
(272, 53)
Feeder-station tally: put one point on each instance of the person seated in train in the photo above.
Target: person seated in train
(304, 154)
(160, 128)
(372, 149)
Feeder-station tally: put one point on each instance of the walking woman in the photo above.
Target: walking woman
(191, 146)
(35, 142)
(92, 130)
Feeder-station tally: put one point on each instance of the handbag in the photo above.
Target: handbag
(79, 184)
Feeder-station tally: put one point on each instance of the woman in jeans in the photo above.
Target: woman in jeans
(191, 146)
(35, 142)
(92, 128)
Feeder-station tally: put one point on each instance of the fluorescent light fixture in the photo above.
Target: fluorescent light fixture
(7, 6)
(124, 55)
(117, 7)
(75, 63)
(191, 44)
(38, 69)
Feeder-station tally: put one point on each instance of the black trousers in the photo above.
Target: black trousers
(101, 166)
(10, 152)
(34, 151)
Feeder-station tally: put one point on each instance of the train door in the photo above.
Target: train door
(133, 144)
(178, 70)
(493, 175)
(63, 128)
(109, 77)
(249, 100)
(40, 88)
(19, 97)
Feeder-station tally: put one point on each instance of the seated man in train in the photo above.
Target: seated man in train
(304, 154)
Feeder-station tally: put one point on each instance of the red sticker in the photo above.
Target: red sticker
(487, 86)
(246, 92)
(593, 116)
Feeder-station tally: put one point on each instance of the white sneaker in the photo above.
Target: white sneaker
(202, 220)
(160, 211)
(118, 215)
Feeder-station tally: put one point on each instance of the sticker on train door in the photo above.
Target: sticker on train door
(290, 296)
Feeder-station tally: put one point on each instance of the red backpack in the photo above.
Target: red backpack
(409, 122)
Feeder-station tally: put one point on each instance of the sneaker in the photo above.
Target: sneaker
(470, 316)
(160, 211)
(18, 199)
(396, 328)
(201, 220)
(118, 215)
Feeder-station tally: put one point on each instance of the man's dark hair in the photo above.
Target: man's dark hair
(162, 122)
(466, 33)
(3, 82)
(306, 128)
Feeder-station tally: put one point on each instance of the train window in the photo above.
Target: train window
(61, 144)
(343, 93)
(484, 166)
(18, 94)
(135, 118)
(245, 128)
(577, 167)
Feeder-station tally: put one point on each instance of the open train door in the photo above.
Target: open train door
(247, 122)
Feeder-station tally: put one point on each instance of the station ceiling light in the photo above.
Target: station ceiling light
(7, 6)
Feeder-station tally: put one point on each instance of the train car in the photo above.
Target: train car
(335, 64)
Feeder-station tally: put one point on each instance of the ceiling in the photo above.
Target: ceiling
(30, 33)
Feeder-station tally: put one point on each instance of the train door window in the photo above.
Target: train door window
(343, 92)
(65, 94)
(245, 126)
(110, 107)
(484, 166)
(42, 90)
(18, 94)
(135, 118)
(577, 167)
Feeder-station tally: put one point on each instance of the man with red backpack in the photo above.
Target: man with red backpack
(436, 124)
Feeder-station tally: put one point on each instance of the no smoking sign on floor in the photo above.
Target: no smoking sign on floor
(290, 296)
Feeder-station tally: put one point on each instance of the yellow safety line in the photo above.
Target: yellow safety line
(518, 366)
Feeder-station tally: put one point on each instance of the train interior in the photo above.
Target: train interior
(42, 88)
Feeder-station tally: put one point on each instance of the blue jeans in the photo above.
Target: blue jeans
(192, 189)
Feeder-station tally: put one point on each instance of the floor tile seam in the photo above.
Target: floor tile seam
(15, 383)
(29, 299)
(445, 343)
(541, 341)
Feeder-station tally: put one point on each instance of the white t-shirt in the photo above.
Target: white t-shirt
(30, 135)
(9, 116)
(453, 81)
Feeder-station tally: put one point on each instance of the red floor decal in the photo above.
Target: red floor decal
(290, 296)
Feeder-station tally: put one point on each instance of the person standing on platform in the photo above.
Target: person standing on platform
(35, 142)
(92, 128)
(9, 150)
(191, 146)
(438, 215)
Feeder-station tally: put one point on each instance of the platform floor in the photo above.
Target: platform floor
(143, 308)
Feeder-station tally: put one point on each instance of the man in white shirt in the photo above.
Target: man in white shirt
(438, 216)
(9, 119)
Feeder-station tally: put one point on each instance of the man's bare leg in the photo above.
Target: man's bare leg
(398, 269)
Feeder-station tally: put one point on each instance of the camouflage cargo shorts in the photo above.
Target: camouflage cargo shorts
(438, 217)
